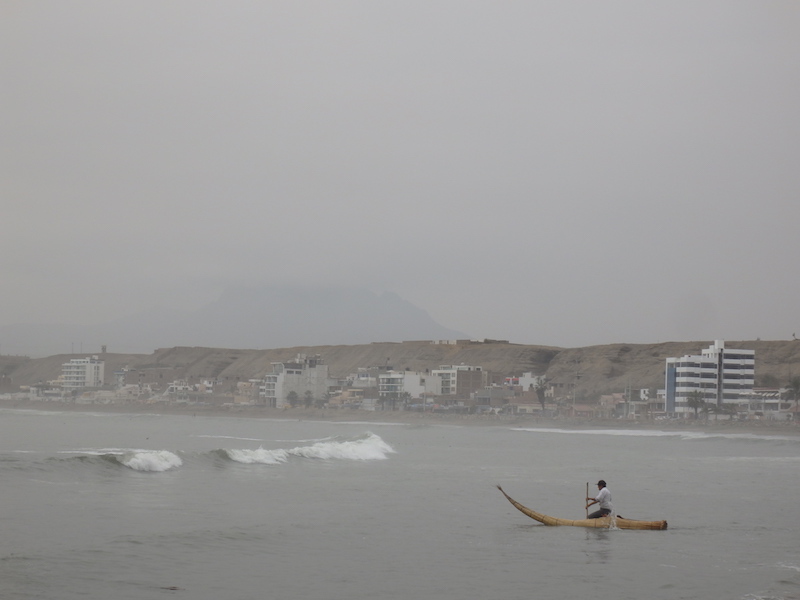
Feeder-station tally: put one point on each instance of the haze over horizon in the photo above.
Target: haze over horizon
(564, 174)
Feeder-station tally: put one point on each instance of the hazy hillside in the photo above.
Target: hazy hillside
(264, 317)
(599, 369)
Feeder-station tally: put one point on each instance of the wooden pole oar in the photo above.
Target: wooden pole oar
(586, 502)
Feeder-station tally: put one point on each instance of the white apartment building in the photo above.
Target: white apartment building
(393, 384)
(722, 376)
(304, 375)
(82, 373)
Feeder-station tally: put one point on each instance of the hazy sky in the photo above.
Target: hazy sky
(565, 173)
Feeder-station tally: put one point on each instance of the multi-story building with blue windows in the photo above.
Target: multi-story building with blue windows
(720, 375)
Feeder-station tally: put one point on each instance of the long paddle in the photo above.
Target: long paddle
(586, 502)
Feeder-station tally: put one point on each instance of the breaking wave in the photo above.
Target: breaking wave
(259, 456)
(139, 460)
(362, 448)
(368, 447)
(161, 460)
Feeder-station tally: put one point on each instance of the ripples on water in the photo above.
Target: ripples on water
(121, 507)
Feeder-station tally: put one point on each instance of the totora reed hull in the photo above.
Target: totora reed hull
(602, 523)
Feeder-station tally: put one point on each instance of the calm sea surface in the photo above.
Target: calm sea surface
(114, 507)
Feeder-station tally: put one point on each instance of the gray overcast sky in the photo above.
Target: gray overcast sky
(565, 173)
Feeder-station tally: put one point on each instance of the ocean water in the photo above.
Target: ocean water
(114, 507)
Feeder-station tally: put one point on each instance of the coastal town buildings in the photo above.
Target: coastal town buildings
(400, 384)
(305, 377)
(527, 381)
(716, 377)
(460, 381)
(178, 390)
(365, 377)
(717, 382)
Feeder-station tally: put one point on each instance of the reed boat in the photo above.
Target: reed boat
(601, 523)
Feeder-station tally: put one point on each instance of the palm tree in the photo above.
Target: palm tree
(541, 388)
(695, 400)
(726, 408)
(712, 408)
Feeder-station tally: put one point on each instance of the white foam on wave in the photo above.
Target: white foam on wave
(617, 432)
(259, 456)
(228, 437)
(151, 460)
(686, 435)
(370, 447)
(136, 459)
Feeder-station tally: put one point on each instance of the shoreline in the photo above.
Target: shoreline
(415, 418)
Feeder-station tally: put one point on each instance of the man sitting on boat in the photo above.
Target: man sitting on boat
(603, 499)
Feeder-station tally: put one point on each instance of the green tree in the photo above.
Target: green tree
(793, 391)
(292, 398)
(308, 398)
(696, 402)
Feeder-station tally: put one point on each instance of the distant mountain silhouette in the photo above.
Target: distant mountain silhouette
(266, 317)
